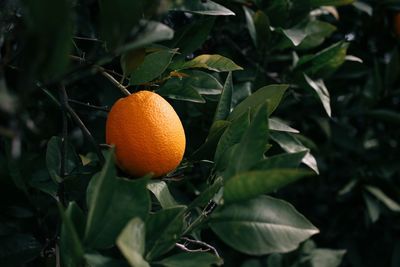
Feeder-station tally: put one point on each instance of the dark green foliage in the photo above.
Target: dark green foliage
(268, 92)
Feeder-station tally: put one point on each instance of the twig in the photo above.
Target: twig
(87, 105)
(58, 262)
(64, 103)
(184, 248)
(84, 130)
(114, 81)
(201, 243)
(206, 211)
(103, 72)
(87, 39)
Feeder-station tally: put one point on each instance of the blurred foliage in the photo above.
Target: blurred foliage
(260, 86)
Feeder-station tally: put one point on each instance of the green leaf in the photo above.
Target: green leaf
(381, 196)
(326, 257)
(17, 249)
(323, 94)
(206, 150)
(270, 226)
(211, 62)
(161, 192)
(271, 93)
(249, 14)
(253, 144)
(318, 3)
(118, 18)
(247, 185)
(150, 32)
(203, 8)
(152, 67)
(118, 200)
(291, 144)
(278, 125)
(325, 62)
(191, 86)
(71, 248)
(163, 231)
(131, 60)
(316, 33)
(53, 158)
(232, 135)
(98, 260)
(49, 37)
(191, 37)
(225, 101)
(192, 259)
(373, 207)
(207, 195)
(286, 160)
(131, 242)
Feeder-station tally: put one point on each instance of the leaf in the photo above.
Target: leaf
(270, 226)
(326, 257)
(71, 248)
(152, 67)
(373, 207)
(318, 3)
(49, 37)
(316, 33)
(98, 260)
(319, 87)
(132, 59)
(161, 192)
(17, 249)
(271, 93)
(291, 144)
(278, 125)
(211, 62)
(163, 231)
(118, 200)
(247, 185)
(207, 195)
(53, 158)
(190, 37)
(150, 32)
(192, 259)
(206, 150)
(381, 196)
(253, 144)
(225, 101)
(232, 135)
(131, 242)
(325, 62)
(118, 18)
(191, 86)
(203, 8)
(286, 160)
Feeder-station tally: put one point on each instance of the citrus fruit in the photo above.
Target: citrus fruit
(147, 134)
(396, 24)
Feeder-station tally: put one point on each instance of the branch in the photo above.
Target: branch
(201, 243)
(84, 130)
(184, 248)
(103, 72)
(64, 103)
(87, 105)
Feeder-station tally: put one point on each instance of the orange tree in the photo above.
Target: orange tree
(243, 76)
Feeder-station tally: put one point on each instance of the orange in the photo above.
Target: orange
(396, 24)
(147, 134)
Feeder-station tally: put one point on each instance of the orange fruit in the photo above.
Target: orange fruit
(396, 24)
(147, 134)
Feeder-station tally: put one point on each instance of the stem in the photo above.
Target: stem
(204, 244)
(114, 81)
(87, 105)
(84, 130)
(64, 103)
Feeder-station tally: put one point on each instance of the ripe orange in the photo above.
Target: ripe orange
(147, 134)
(396, 24)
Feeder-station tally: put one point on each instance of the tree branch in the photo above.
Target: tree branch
(84, 130)
(87, 105)
(201, 243)
(64, 103)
